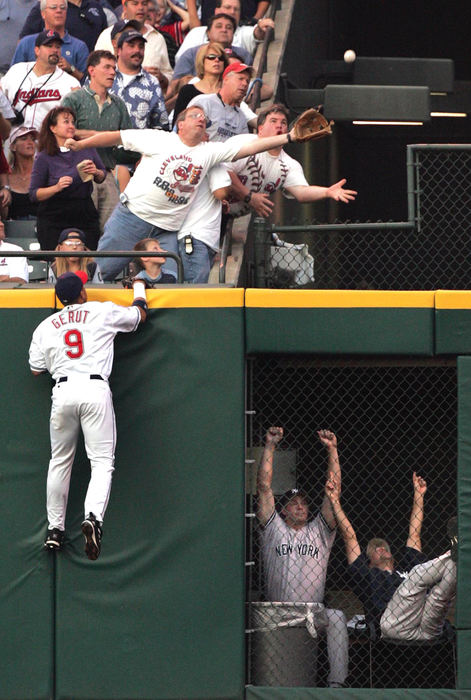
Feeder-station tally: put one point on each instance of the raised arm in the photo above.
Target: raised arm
(266, 143)
(100, 139)
(312, 193)
(417, 513)
(329, 440)
(266, 500)
(332, 494)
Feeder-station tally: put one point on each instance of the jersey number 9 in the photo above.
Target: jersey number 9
(74, 340)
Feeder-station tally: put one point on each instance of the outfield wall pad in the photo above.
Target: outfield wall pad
(339, 322)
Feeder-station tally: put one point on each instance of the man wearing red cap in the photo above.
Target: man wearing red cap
(224, 116)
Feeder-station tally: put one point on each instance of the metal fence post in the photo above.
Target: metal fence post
(262, 251)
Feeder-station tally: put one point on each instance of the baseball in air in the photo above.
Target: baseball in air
(349, 56)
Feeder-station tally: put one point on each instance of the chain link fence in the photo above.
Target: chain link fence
(391, 418)
(431, 250)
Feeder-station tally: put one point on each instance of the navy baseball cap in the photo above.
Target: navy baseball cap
(68, 287)
(46, 37)
(122, 25)
(288, 495)
(130, 36)
(72, 233)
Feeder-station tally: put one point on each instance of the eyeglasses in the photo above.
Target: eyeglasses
(213, 57)
(56, 7)
(73, 242)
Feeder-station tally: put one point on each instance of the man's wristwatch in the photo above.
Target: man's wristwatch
(247, 198)
(5, 187)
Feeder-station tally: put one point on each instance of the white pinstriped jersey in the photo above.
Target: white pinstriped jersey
(295, 561)
(79, 339)
(263, 172)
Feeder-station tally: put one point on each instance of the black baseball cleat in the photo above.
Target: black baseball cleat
(452, 532)
(54, 539)
(92, 530)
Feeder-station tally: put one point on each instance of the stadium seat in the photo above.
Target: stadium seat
(20, 229)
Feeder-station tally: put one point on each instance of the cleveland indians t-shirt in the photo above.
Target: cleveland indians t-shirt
(169, 174)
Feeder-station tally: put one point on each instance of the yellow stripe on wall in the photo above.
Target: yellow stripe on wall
(343, 298)
(451, 299)
(156, 298)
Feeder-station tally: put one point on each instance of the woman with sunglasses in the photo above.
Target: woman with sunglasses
(72, 240)
(210, 64)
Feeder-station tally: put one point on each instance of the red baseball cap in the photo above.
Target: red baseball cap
(237, 68)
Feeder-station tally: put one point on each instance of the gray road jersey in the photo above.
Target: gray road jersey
(295, 561)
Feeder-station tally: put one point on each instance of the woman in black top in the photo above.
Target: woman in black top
(210, 63)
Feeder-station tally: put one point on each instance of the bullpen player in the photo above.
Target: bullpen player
(75, 346)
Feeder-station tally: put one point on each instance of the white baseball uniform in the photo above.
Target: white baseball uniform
(266, 173)
(13, 267)
(40, 92)
(75, 346)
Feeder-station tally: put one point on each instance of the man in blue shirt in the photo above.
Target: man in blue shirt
(74, 52)
(408, 603)
(85, 20)
(139, 89)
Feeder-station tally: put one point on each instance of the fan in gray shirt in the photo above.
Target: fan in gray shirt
(296, 550)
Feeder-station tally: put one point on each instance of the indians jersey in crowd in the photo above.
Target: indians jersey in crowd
(36, 94)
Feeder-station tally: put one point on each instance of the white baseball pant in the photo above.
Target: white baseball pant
(85, 403)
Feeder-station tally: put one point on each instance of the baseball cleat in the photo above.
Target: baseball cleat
(452, 532)
(92, 531)
(54, 539)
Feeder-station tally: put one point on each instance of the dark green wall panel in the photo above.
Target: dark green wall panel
(162, 610)
(26, 581)
(340, 331)
(453, 331)
(464, 661)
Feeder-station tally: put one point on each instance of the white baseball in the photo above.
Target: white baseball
(349, 56)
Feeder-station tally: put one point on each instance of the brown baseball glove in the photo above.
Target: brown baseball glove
(310, 125)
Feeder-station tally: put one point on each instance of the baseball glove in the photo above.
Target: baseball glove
(310, 125)
(128, 282)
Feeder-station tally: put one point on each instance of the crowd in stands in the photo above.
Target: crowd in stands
(81, 68)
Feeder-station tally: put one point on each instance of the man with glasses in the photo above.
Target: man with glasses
(155, 52)
(74, 52)
(166, 181)
(85, 20)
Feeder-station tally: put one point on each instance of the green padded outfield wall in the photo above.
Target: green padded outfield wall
(161, 613)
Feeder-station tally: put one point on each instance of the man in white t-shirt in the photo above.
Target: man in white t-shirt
(11, 269)
(34, 88)
(254, 179)
(200, 234)
(246, 36)
(173, 165)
